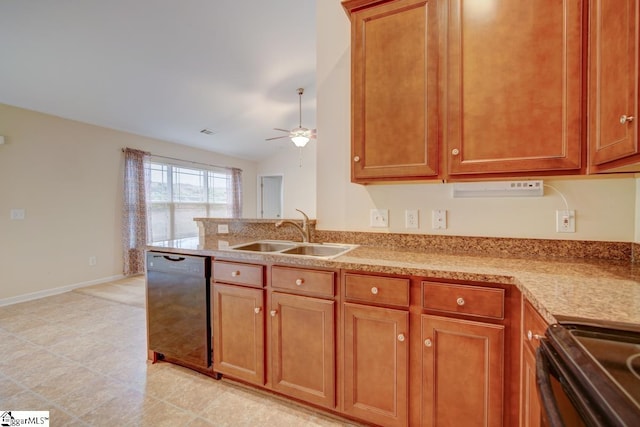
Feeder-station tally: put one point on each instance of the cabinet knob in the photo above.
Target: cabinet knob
(531, 336)
(257, 310)
(299, 282)
(273, 313)
(401, 337)
(356, 159)
(460, 301)
(455, 151)
(235, 273)
(374, 290)
(626, 119)
(428, 343)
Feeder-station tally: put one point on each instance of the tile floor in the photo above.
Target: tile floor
(83, 358)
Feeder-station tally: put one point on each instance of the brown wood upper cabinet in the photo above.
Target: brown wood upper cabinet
(613, 90)
(394, 111)
(513, 86)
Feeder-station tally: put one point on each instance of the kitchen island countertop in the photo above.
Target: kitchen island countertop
(591, 289)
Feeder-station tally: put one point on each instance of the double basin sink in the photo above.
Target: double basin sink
(315, 250)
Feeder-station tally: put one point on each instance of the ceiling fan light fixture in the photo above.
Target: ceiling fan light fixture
(299, 140)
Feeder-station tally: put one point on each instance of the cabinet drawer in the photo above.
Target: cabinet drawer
(533, 325)
(305, 281)
(376, 289)
(238, 273)
(463, 299)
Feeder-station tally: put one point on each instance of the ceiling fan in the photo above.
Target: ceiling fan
(299, 136)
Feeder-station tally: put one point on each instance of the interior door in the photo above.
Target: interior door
(271, 196)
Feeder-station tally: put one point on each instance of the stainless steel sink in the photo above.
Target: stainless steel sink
(317, 250)
(313, 250)
(264, 247)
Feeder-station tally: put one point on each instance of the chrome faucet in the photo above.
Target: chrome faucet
(304, 230)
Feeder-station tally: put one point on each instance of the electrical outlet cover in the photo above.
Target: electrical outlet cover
(379, 218)
(411, 218)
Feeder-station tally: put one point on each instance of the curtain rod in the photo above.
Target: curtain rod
(188, 161)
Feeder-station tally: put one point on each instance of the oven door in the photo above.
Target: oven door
(574, 388)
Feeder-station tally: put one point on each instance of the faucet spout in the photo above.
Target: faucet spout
(304, 229)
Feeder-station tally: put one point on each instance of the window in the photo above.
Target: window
(180, 193)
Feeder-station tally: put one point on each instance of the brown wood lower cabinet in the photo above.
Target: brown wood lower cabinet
(376, 370)
(533, 328)
(462, 372)
(303, 348)
(238, 332)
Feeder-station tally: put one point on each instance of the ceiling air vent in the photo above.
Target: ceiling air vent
(207, 131)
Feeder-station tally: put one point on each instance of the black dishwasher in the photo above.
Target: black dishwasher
(178, 314)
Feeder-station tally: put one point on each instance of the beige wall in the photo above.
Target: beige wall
(606, 207)
(68, 177)
(299, 183)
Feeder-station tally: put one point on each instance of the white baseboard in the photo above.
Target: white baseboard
(55, 291)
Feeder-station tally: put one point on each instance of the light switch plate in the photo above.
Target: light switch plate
(223, 228)
(17, 214)
(379, 218)
(439, 219)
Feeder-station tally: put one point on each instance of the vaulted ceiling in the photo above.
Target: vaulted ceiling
(165, 69)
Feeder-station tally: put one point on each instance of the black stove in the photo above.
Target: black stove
(597, 366)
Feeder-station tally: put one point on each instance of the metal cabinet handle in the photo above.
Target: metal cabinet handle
(531, 336)
(428, 343)
(626, 119)
(273, 313)
(299, 282)
(356, 159)
(460, 301)
(455, 152)
(374, 290)
(401, 337)
(235, 273)
(257, 310)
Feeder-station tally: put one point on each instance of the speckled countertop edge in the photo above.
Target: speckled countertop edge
(600, 289)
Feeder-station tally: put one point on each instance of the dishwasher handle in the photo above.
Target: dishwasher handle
(170, 258)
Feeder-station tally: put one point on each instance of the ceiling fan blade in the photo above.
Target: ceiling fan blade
(277, 137)
(282, 130)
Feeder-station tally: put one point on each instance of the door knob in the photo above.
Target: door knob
(428, 343)
(273, 313)
(257, 310)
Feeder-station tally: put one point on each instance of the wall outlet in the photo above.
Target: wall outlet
(411, 218)
(566, 221)
(439, 219)
(92, 261)
(223, 228)
(379, 218)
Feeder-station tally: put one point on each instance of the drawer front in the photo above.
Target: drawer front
(238, 273)
(533, 325)
(376, 289)
(303, 281)
(463, 299)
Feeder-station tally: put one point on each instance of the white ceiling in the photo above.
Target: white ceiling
(164, 68)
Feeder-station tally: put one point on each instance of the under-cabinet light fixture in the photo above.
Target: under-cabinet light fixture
(533, 188)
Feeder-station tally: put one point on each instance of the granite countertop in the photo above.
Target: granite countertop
(599, 290)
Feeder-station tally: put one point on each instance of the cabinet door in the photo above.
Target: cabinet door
(238, 332)
(513, 86)
(613, 90)
(533, 328)
(376, 361)
(531, 410)
(394, 90)
(462, 372)
(303, 348)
